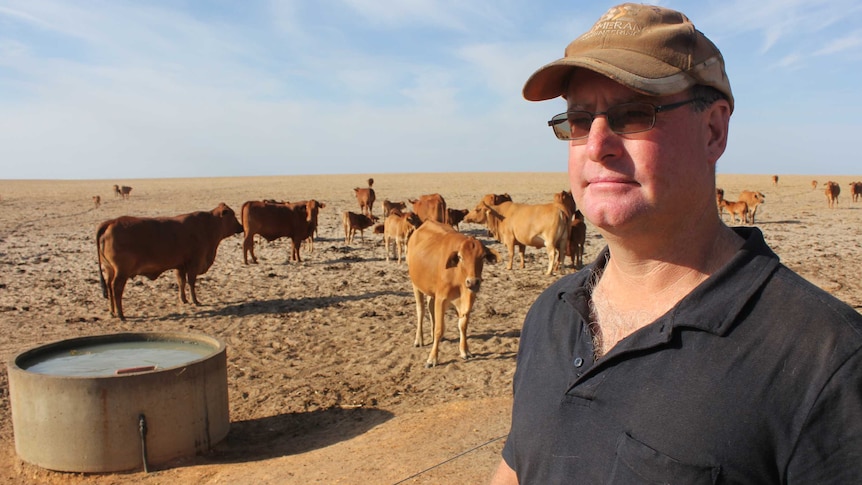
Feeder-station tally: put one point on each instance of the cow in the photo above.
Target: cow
(273, 220)
(566, 201)
(131, 246)
(365, 197)
(455, 216)
(397, 229)
(719, 196)
(775, 180)
(123, 191)
(356, 222)
(477, 215)
(856, 191)
(753, 199)
(577, 240)
(97, 201)
(736, 209)
(445, 266)
(430, 207)
(814, 184)
(832, 191)
(314, 210)
(389, 205)
(536, 225)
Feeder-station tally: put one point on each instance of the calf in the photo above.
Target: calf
(388, 206)
(397, 229)
(445, 266)
(855, 191)
(455, 216)
(273, 220)
(131, 246)
(97, 201)
(356, 222)
(577, 240)
(736, 209)
(536, 225)
(833, 190)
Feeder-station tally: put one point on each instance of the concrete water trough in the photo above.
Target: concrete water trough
(118, 402)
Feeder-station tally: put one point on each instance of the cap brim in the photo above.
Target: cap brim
(653, 77)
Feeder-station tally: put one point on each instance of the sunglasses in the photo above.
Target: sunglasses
(623, 119)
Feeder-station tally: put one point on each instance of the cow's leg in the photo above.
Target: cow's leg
(387, 248)
(521, 249)
(438, 317)
(248, 247)
(466, 304)
(181, 284)
(192, 277)
(511, 248)
(420, 315)
(118, 285)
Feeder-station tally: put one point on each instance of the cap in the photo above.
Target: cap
(650, 49)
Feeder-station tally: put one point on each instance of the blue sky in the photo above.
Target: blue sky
(118, 89)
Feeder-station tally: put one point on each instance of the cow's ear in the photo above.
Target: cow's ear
(491, 255)
(453, 260)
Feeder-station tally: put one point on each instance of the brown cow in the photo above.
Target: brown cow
(477, 215)
(430, 207)
(577, 240)
(123, 191)
(397, 229)
(365, 197)
(455, 216)
(536, 225)
(446, 267)
(775, 180)
(356, 222)
(855, 191)
(753, 199)
(814, 184)
(273, 220)
(132, 246)
(736, 209)
(833, 190)
(389, 205)
(719, 196)
(97, 200)
(314, 210)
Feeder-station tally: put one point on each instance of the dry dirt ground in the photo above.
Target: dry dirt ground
(325, 385)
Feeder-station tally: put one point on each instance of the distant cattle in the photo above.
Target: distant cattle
(389, 205)
(775, 180)
(131, 246)
(365, 197)
(455, 216)
(753, 199)
(577, 240)
(477, 215)
(353, 222)
(124, 191)
(536, 225)
(430, 207)
(833, 190)
(97, 201)
(814, 184)
(397, 229)
(272, 220)
(856, 191)
(446, 267)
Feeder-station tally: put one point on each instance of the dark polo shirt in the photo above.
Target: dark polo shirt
(754, 377)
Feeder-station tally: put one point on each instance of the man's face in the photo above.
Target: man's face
(647, 181)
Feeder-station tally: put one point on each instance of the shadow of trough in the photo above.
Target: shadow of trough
(292, 433)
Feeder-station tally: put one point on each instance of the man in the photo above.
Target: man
(686, 353)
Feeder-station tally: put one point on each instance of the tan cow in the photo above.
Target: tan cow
(855, 191)
(814, 184)
(536, 225)
(567, 202)
(353, 222)
(273, 220)
(366, 198)
(131, 246)
(833, 190)
(775, 180)
(430, 207)
(477, 215)
(124, 191)
(445, 266)
(397, 229)
(577, 240)
(753, 199)
(737, 209)
(97, 201)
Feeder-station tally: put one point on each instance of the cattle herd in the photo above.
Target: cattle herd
(444, 264)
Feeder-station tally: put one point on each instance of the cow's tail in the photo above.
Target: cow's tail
(99, 233)
(243, 215)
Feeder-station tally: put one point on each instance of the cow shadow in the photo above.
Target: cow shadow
(290, 434)
(286, 305)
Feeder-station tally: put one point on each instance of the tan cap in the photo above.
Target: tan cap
(650, 49)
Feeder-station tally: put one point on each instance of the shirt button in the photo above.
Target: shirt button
(579, 362)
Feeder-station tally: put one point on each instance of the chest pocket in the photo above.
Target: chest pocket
(637, 463)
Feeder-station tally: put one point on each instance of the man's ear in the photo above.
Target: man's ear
(718, 121)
